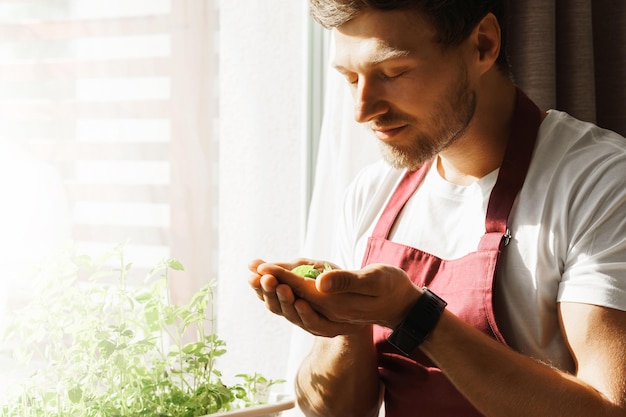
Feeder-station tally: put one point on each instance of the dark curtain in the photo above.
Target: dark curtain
(570, 55)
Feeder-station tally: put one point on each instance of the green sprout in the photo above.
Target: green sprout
(309, 271)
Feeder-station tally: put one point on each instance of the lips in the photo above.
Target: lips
(388, 133)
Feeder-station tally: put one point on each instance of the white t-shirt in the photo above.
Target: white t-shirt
(568, 229)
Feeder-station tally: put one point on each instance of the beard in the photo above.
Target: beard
(449, 119)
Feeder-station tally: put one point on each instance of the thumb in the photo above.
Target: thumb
(339, 281)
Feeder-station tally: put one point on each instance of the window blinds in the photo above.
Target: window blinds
(115, 98)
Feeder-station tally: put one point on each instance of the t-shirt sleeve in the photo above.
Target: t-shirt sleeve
(594, 270)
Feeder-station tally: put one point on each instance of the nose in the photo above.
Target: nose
(368, 101)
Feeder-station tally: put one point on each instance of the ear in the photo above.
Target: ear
(487, 38)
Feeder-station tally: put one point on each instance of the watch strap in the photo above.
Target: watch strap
(417, 325)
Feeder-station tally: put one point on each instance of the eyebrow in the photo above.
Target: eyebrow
(385, 53)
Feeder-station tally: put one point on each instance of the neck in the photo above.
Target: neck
(481, 148)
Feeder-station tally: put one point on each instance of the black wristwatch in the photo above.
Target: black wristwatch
(420, 321)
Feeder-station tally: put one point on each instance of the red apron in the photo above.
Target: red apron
(414, 385)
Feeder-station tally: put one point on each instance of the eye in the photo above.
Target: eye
(391, 75)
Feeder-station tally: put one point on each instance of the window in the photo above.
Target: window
(177, 124)
(106, 118)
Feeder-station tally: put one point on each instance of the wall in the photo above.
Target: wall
(261, 170)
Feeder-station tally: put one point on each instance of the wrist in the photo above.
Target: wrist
(358, 336)
(419, 322)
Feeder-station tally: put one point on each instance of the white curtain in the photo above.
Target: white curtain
(345, 147)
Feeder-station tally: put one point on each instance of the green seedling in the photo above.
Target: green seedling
(110, 345)
(309, 271)
(306, 271)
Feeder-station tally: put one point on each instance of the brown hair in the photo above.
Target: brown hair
(453, 20)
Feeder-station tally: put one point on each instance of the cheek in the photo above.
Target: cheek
(417, 97)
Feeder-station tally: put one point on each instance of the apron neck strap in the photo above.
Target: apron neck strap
(405, 189)
(520, 146)
(517, 157)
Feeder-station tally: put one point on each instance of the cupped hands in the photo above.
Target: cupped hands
(337, 302)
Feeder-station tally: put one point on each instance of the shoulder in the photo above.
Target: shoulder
(562, 132)
(576, 191)
(367, 196)
(372, 186)
(574, 155)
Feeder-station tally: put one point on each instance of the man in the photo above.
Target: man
(491, 245)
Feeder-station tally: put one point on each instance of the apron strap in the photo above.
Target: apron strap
(525, 124)
(517, 157)
(519, 151)
(407, 186)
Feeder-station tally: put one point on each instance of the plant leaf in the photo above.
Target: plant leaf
(174, 264)
(75, 394)
(106, 348)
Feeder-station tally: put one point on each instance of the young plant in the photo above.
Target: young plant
(309, 271)
(110, 348)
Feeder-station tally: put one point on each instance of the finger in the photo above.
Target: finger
(255, 282)
(269, 285)
(373, 280)
(287, 299)
(302, 287)
(255, 278)
(342, 281)
(254, 264)
(317, 324)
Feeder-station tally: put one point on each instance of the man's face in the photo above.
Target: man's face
(414, 95)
